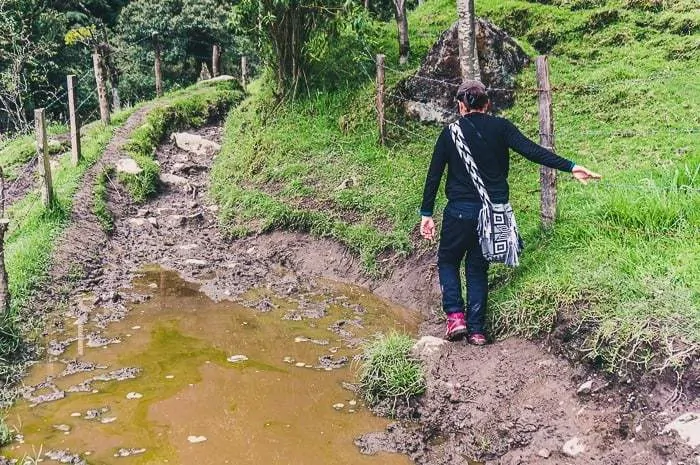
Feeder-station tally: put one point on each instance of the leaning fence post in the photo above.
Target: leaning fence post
(43, 161)
(74, 120)
(548, 176)
(98, 66)
(157, 65)
(4, 222)
(381, 121)
(244, 71)
(215, 57)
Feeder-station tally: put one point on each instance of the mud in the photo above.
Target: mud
(189, 401)
(512, 402)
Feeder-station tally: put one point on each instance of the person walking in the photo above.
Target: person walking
(488, 139)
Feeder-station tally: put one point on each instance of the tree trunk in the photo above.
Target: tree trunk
(4, 286)
(99, 69)
(113, 73)
(402, 25)
(466, 29)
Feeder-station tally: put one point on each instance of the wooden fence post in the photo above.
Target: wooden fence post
(99, 69)
(381, 121)
(244, 71)
(215, 57)
(74, 120)
(157, 65)
(4, 222)
(548, 176)
(43, 161)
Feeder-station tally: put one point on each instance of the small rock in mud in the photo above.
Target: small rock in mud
(196, 263)
(320, 342)
(352, 403)
(64, 456)
(544, 453)
(339, 406)
(138, 222)
(96, 413)
(585, 388)
(169, 376)
(79, 366)
(300, 364)
(123, 452)
(134, 395)
(688, 428)
(142, 212)
(57, 348)
(107, 420)
(328, 361)
(127, 166)
(237, 358)
(85, 386)
(119, 375)
(265, 305)
(288, 359)
(63, 428)
(173, 179)
(97, 340)
(354, 388)
(196, 439)
(76, 414)
(427, 347)
(54, 395)
(573, 447)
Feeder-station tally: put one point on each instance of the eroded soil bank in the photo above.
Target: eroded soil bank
(508, 403)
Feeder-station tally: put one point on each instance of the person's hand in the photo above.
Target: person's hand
(427, 227)
(583, 174)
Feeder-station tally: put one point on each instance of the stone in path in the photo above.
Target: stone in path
(173, 179)
(688, 428)
(195, 144)
(573, 447)
(128, 166)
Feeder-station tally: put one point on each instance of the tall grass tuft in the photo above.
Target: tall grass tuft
(389, 371)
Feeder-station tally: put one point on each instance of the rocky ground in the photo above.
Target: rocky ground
(512, 402)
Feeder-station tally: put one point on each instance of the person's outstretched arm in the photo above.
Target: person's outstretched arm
(432, 184)
(538, 154)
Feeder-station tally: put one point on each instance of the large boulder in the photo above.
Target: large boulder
(430, 94)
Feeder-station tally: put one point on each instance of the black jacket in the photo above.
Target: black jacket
(489, 138)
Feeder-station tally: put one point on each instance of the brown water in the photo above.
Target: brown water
(265, 410)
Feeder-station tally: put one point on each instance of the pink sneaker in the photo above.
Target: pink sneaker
(456, 326)
(477, 339)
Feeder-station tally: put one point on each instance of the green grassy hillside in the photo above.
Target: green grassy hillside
(620, 273)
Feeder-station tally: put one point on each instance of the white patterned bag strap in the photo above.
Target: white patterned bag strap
(466, 156)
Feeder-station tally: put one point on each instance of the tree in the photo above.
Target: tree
(402, 27)
(187, 30)
(466, 29)
(27, 45)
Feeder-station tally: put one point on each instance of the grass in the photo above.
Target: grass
(389, 371)
(619, 275)
(191, 107)
(6, 435)
(99, 200)
(34, 229)
(15, 152)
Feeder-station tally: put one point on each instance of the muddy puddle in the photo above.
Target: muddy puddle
(181, 379)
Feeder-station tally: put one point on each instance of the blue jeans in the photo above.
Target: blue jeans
(459, 237)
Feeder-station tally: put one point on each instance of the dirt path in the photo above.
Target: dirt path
(508, 403)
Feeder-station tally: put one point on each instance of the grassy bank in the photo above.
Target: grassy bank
(619, 275)
(191, 107)
(34, 229)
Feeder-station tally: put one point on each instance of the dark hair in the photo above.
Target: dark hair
(473, 94)
(474, 99)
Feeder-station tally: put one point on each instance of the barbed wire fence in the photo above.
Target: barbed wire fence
(396, 97)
